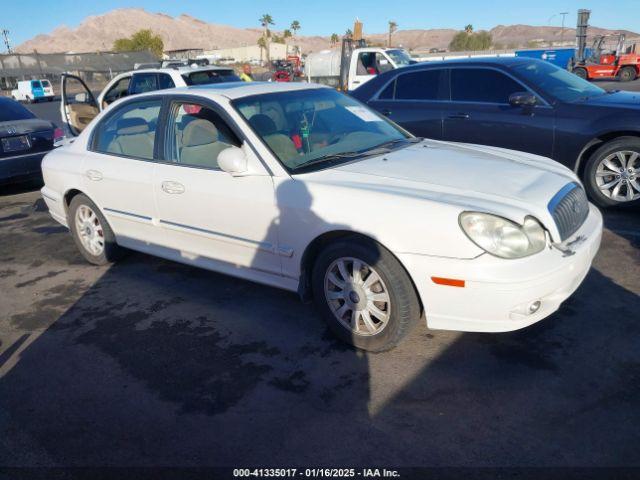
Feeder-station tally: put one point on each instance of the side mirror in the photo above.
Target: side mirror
(81, 98)
(233, 161)
(523, 99)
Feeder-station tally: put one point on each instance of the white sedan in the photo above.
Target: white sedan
(303, 188)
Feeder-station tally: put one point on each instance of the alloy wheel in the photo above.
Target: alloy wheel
(89, 230)
(618, 176)
(357, 296)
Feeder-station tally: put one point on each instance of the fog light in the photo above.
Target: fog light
(534, 307)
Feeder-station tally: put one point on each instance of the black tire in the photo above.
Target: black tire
(404, 309)
(590, 182)
(29, 100)
(627, 74)
(50, 99)
(581, 72)
(111, 251)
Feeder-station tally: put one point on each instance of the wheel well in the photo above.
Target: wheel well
(315, 247)
(596, 143)
(68, 197)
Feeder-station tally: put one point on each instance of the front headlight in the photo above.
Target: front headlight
(501, 237)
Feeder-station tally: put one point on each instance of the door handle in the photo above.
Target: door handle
(460, 116)
(172, 187)
(94, 175)
(386, 112)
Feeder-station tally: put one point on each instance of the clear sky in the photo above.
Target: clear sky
(26, 18)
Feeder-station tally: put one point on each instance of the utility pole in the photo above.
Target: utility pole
(5, 36)
(564, 14)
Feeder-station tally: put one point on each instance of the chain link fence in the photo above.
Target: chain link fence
(96, 69)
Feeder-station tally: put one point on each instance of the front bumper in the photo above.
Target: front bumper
(498, 292)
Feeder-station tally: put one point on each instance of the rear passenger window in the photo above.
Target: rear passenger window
(144, 82)
(389, 91)
(482, 85)
(130, 131)
(423, 85)
(166, 81)
(196, 135)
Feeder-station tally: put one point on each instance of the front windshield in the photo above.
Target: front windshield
(317, 126)
(557, 82)
(400, 57)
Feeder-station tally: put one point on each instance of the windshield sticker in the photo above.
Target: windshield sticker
(364, 114)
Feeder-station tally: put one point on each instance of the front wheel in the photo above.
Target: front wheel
(612, 174)
(364, 294)
(91, 232)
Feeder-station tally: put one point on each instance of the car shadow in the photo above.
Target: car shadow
(157, 363)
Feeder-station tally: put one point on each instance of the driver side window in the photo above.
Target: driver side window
(119, 90)
(196, 135)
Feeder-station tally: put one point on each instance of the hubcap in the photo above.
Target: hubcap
(357, 296)
(618, 176)
(89, 230)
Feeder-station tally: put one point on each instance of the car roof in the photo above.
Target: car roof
(182, 69)
(479, 61)
(234, 90)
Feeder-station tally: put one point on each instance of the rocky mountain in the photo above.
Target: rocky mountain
(97, 33)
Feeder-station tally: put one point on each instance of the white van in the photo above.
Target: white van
(33, 91)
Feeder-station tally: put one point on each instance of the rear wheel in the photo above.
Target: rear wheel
(581, 72)
(91, 232)
(364, 294)
(627, 74)
(612, 174)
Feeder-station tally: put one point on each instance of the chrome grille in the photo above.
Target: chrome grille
(569, 209)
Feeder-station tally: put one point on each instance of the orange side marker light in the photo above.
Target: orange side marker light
(451, 282)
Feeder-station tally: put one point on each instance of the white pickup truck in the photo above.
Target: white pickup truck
(348, 68)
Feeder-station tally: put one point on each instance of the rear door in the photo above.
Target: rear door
(414, 100)
(479, 112)
(77, 106)
(118, 169)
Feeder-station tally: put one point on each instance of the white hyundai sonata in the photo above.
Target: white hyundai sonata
(303, 188)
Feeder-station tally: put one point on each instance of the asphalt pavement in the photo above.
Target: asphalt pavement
(152, 363)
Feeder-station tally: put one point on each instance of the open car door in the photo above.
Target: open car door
(78, 105)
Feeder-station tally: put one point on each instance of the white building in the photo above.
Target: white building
(248, 53)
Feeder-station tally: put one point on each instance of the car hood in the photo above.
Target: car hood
(472, 177)
(616, 99)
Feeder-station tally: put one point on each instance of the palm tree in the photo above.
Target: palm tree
(295, 26)
(393, 26)
(468, 28)
(265, 21)
(348, 33)
(263, 46)
(334, 39)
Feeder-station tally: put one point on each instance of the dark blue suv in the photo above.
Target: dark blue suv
(521, 104)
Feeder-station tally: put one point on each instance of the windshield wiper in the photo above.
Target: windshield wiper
(380, 149)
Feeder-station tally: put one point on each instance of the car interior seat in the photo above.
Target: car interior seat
(282, 145)
(201, 144)
(133, 138)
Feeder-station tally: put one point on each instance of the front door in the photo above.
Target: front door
(78, 105)
(204, 212)
(479, 112)
(118, 170)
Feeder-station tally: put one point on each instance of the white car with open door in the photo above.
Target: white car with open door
(303, 188)
(86, 107)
